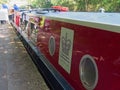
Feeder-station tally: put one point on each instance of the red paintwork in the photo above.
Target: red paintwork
(64, 9)
(103, 45)
(17, 18)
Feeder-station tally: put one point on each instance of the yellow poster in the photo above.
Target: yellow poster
(42, 22)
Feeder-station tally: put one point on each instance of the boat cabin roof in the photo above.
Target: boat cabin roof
(109, 21)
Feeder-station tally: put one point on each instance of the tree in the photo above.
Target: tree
(80, 5)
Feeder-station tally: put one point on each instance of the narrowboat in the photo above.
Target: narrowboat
(73, 50)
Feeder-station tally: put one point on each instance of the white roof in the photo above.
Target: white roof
(107, 21)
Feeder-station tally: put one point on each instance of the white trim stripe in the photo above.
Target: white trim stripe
(106, 27)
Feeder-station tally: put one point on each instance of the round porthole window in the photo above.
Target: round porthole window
(88, 72)
(52, 45)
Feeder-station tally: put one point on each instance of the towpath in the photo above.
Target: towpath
(17, 71)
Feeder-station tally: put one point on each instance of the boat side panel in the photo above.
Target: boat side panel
(102, 45)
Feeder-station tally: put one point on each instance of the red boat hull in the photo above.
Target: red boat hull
(102, 45)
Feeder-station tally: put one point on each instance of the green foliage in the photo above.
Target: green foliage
(41, 3)
(80, 5)
(3, 1)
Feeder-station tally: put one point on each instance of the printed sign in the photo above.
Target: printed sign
(66, 45)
